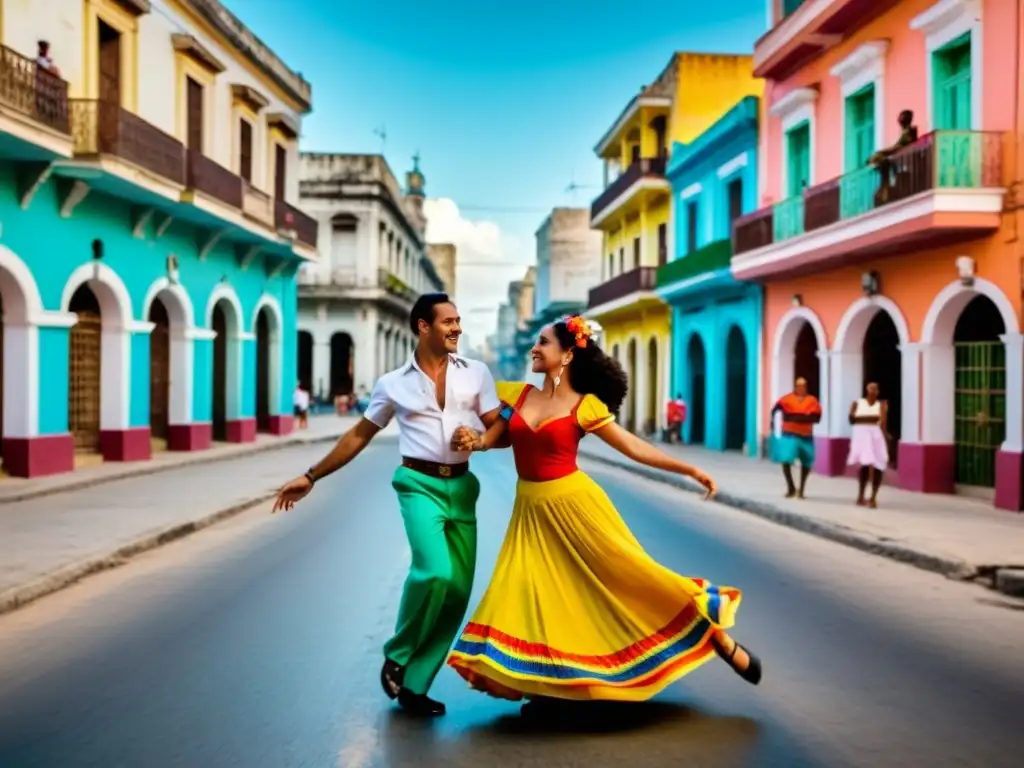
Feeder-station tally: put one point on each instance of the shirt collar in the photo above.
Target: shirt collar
(454, 360)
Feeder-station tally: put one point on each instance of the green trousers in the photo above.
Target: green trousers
(440, 523)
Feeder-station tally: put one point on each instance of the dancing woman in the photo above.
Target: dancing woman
(576, 609)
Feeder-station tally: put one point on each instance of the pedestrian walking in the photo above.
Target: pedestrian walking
(431, 396)
(869, 443)
(800, 412)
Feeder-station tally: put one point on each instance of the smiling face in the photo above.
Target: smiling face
(547, 354)
(442, 335)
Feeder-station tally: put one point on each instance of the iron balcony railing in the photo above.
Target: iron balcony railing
(639, 279)
(938, 160)
(104, 128)
(645, 167)
(33, 91)
(288, 218)
(710, 258)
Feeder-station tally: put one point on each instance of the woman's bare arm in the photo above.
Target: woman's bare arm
(631, 446)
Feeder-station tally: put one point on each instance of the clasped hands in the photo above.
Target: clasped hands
(467, 439)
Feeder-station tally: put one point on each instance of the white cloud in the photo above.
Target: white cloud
(487, 260)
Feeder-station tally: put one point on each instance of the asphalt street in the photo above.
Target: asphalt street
(257, 643)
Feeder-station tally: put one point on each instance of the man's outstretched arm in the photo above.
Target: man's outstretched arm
(349, 445)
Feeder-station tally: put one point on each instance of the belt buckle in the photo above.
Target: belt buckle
(444, 470)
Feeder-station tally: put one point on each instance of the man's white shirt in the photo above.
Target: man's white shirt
(424, 430)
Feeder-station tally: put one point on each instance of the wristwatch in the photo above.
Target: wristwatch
(309, 476)
(506, 413)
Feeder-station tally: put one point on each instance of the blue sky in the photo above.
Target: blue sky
(504, 103)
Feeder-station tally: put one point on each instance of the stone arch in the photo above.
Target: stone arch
(226, 365)
(178, 304)
(118, 323)
(938, 370)
(848, 364)
(787, 333)
(272, 346)
(940, 322)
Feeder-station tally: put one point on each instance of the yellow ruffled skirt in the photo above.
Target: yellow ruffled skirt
(577, 610)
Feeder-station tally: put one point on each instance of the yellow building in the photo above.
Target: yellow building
(634, 214)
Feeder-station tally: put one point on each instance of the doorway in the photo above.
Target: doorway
(651, 420)
(883, 364)
(806, 364)
(697, 362)
(220, 372)
(735, 390)
(194, 116)
(159, 370)
(84, 348)
(305, 356)
(263, 371)
(341, 364)
(109, 71)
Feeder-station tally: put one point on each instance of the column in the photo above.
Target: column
(321, 383)
(828, 462)
(642, 385)
(927, 462)
(715, 401)
(1009, 461)
(380, 364)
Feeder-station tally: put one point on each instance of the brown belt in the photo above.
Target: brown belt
(434, 469)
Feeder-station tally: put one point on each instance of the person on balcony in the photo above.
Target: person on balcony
(43, 59)
(800, 412)
(869, 442)
(882, 158)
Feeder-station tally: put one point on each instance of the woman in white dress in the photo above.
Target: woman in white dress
(869, 443)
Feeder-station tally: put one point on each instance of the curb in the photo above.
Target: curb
(23, 594)
(952, 568)
(143, 469)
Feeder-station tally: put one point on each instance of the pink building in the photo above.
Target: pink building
(905, 268)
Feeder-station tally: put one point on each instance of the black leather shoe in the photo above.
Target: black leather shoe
(419, 704)
(391, 677)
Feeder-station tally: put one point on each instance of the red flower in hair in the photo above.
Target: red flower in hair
(579, 327)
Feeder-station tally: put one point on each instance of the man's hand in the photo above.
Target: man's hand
(292, 492)
(466, 439)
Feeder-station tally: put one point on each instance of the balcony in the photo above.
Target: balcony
(647, 172)
(257, 205)
(105, 129)
(33, 92)
(289, 219)
(213, 180)
(946, 187)
(807, 29)
(711, 258)
(623, 286)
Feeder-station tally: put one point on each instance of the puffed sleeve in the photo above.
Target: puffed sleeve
(509, 391)
(593, 414)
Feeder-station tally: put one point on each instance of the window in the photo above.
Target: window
(634, 154)
(734, 193)
(280, 171)
(622, 260)
(951, 71)
(798, 159)
(611, 265)
(691, 226)
(245, 149)
(662, 244)
(860, 128)
(636, 252)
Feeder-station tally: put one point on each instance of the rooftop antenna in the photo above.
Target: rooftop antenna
(574, 188)
(382, 134)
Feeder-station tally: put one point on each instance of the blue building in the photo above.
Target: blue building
(716, 320)
(148, 258)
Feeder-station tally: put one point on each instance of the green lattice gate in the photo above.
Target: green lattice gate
(980, 410)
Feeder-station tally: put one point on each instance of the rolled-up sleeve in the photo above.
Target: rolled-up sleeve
(487, 400)
(381, 409)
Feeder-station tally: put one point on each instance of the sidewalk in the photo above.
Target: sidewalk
(321, 428)
(53, 534)
(957, 536)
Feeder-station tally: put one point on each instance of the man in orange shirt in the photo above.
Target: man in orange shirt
(800, 412)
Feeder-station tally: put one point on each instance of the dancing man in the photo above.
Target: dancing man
(432, 395)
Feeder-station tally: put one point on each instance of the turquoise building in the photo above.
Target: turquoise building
(148, 293)
(716, 320)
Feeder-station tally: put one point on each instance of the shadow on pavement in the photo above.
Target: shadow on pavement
(592, 734)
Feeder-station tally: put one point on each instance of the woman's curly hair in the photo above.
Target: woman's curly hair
(591, 371)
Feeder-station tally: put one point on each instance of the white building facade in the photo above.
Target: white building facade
(354, 303)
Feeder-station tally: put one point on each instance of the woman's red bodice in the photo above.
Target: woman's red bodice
(547, 452)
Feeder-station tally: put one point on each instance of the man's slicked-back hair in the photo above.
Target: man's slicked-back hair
(423, 309)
